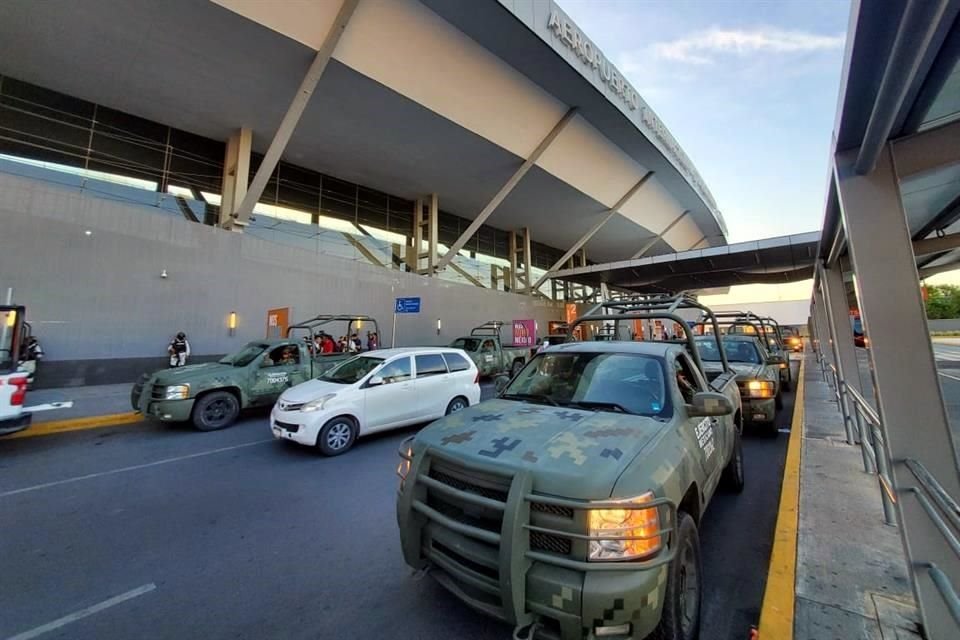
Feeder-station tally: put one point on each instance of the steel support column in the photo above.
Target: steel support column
(658, 237)
(520, 261)
(426, 229)
(294, 111)
(507, 188)
(908, 390)
(594, 229)
(844, 357)
(236, 174)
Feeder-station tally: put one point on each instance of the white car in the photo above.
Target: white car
(375, 391)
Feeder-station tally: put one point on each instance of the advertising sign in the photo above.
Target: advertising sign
(524, 333)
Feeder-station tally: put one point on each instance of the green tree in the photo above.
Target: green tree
(943, 302)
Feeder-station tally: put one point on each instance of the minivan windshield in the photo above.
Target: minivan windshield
(601, 381)
(352, 370)
(245, 356)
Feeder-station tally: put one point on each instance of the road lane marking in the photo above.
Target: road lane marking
(777, 611)
(947, 375)
(83, 613)
(77, 424)
(147, 465)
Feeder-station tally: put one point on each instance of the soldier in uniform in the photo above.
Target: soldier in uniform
(179, 350)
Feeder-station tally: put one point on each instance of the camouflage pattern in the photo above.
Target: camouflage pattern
(583, 456)
(253, 384)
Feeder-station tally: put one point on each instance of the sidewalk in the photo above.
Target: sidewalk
(87, 402)
(851, 577)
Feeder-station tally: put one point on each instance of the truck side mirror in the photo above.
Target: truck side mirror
(709, 403)
(775, 360)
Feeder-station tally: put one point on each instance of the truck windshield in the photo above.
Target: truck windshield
(737, 350)
(352, 370)
(616, 382)
(245, 356)
(467, 344)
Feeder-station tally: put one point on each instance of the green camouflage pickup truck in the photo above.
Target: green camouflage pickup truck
(211, 395)
(570, 505)
(486, 349)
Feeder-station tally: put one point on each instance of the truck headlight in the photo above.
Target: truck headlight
(633, 531)
(316, 405)
(177, 392)
(759, 389)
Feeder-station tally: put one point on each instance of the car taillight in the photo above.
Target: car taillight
(20, 393)
(476, 378)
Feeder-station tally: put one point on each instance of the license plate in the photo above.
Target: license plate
(758, 416)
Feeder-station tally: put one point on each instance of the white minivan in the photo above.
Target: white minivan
(375, 391)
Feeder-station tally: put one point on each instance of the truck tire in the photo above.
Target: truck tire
(733, 477)
(515, 369)
(215, 410)
(337, 436)
(680, 619)
(785, 385)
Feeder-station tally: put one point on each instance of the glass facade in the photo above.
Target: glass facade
(299, 206)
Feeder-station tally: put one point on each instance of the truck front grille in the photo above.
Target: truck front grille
(552, 509)
(464, 485)
(547, 542)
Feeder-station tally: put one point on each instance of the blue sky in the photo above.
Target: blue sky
(749, 90)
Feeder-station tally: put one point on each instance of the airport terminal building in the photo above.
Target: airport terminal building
(170, 165)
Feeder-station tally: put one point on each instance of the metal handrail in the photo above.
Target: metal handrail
(942, 499)
(865, 407)
(942, 583)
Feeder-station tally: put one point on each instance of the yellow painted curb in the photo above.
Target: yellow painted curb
(776, 615)
(77, 424)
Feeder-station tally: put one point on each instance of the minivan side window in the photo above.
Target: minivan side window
(430, 364)
(396, 371)
(456, 362)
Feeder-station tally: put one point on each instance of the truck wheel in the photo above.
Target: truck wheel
(215, 410)
(680, 619)
(515, 369)
(785, 385)
(457, 404)
(337, 436)
(733, 477)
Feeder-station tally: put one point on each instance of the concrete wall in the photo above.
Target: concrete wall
(944, 325)
(98, 302)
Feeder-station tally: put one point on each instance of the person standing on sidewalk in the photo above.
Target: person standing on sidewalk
(179, 350)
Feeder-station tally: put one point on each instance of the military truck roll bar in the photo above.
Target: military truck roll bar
(731, 319)
(313, 324)
(663, 307)
(489, 328)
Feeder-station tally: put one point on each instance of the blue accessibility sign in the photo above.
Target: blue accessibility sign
(407, 305)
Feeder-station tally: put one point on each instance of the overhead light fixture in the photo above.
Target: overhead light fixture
(88, 233)
(163, 273)
(232, 322)
(439, 325)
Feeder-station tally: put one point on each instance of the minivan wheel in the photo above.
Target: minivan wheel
(457, 404)
(337, 436)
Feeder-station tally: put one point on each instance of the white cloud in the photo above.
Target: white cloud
(698, 47)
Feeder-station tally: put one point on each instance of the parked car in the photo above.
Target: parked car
(377, 390)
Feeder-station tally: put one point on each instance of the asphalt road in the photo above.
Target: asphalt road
(151, 531)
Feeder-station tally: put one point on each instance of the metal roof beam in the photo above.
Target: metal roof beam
(919, 28)
(593, 230)
(649, 245)
(506, 189)
(290, 120)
